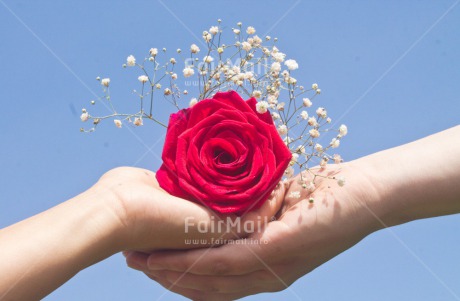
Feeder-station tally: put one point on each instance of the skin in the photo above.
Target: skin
(414, 181)
(124, 210)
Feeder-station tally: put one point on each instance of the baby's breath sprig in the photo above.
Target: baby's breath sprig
(252, 66)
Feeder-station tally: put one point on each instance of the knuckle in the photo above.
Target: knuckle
(117, 171)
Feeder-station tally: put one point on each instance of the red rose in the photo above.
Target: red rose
(223, 154)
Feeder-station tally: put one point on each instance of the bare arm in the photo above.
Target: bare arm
(417, 180)
(125, 210)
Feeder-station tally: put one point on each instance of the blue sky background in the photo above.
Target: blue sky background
(396, 64)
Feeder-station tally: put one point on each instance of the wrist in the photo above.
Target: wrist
(367, 191)
(106, 219)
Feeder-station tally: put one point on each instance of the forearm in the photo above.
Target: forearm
(41, 253)
(416, 180)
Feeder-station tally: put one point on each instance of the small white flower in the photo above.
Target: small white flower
(84, 116)
(318, 147)
(328, 120)
(257, 93)
(248, 75)
(300, 149)
(236, 31)
(282, 129)
(167, 91)
(117, 122)
(256, 41)
(307, 102)
(174, 76)
(278, 56)
(143, 79)
(337, 159)
(272, 99)
(207, 37)
(105, 82)
(280, 106)
(262, 107)
(323, 163)
(304, 115)
(294, 194)
(194, 49)
(172, 60)
(343, 130)
(314, 133)
(208, 59)
(276, 67)
(314, 86)
(275, 116)
(246, 46)
(138, 121)
(188, 71)
(193, 102)
(335, 143)
(341, 181)
(220, 50)
(214, 30)
(153, 51)
(312, 121)
(292, 81)
(321, 112)
(131, 61)
(291, 64)
(251, 30)
(311, 186)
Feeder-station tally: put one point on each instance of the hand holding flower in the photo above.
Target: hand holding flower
(316, 226)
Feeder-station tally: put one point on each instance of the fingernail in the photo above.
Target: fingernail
(126, 253)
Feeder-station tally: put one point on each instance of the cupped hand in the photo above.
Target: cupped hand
(152, 219)
(311, 229)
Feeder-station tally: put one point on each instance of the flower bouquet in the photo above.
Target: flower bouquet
(223, 151)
